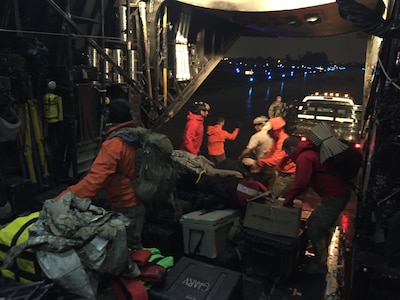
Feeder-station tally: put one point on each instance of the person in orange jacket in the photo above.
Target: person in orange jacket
(216, 140)
(286, 171)
(113, 171)
(194, 129)
(265, 166)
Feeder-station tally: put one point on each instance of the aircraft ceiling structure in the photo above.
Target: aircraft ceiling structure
(308, 18)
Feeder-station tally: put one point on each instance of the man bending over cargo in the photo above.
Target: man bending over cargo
(113, 171)
(313, 171)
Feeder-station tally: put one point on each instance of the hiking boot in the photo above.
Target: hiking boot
(313, 268)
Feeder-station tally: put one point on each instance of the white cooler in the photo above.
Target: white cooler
(206, 233)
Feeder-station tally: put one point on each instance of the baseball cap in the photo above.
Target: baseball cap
(260, 120)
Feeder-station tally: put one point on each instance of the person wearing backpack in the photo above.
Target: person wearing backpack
(194, 128)
(313, 170)
(113, 171)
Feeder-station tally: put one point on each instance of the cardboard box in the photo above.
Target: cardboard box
(273, 218)
(206, 233)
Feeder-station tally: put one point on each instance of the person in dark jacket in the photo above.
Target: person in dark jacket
(216, 140)
(194, 129)
(313, 171)
(113, 171)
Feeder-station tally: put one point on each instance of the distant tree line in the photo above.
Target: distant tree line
(309, 58)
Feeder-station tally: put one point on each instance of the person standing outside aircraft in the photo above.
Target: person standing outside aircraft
(216, 141)
(194, 128)
(276, 109)
(312, 171)
(113, 171)
(260, 142)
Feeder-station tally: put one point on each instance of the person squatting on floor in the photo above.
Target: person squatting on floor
(313, 171)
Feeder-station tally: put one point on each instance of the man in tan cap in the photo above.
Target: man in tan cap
(312, 171)
(259, 143)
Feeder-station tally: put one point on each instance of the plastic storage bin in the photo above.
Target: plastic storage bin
(205, 233)
(269, 256)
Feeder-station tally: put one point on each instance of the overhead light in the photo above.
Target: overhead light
(293, 21)
(312, 18)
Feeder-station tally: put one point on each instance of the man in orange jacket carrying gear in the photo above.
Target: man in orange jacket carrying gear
(216, 141)
(113, 171)
(265, 166)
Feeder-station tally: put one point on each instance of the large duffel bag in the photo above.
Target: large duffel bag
(26, 268)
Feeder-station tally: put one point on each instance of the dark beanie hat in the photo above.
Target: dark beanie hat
(290, 144)
(290, 141)
(119, 111)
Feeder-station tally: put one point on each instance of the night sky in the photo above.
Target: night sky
(340, 48)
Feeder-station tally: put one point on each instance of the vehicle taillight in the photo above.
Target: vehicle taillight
(357, 146)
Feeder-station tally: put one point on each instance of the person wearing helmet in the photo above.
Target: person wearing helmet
(259, 143)
(194, 130)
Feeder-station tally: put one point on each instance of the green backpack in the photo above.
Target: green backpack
(155, 176)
